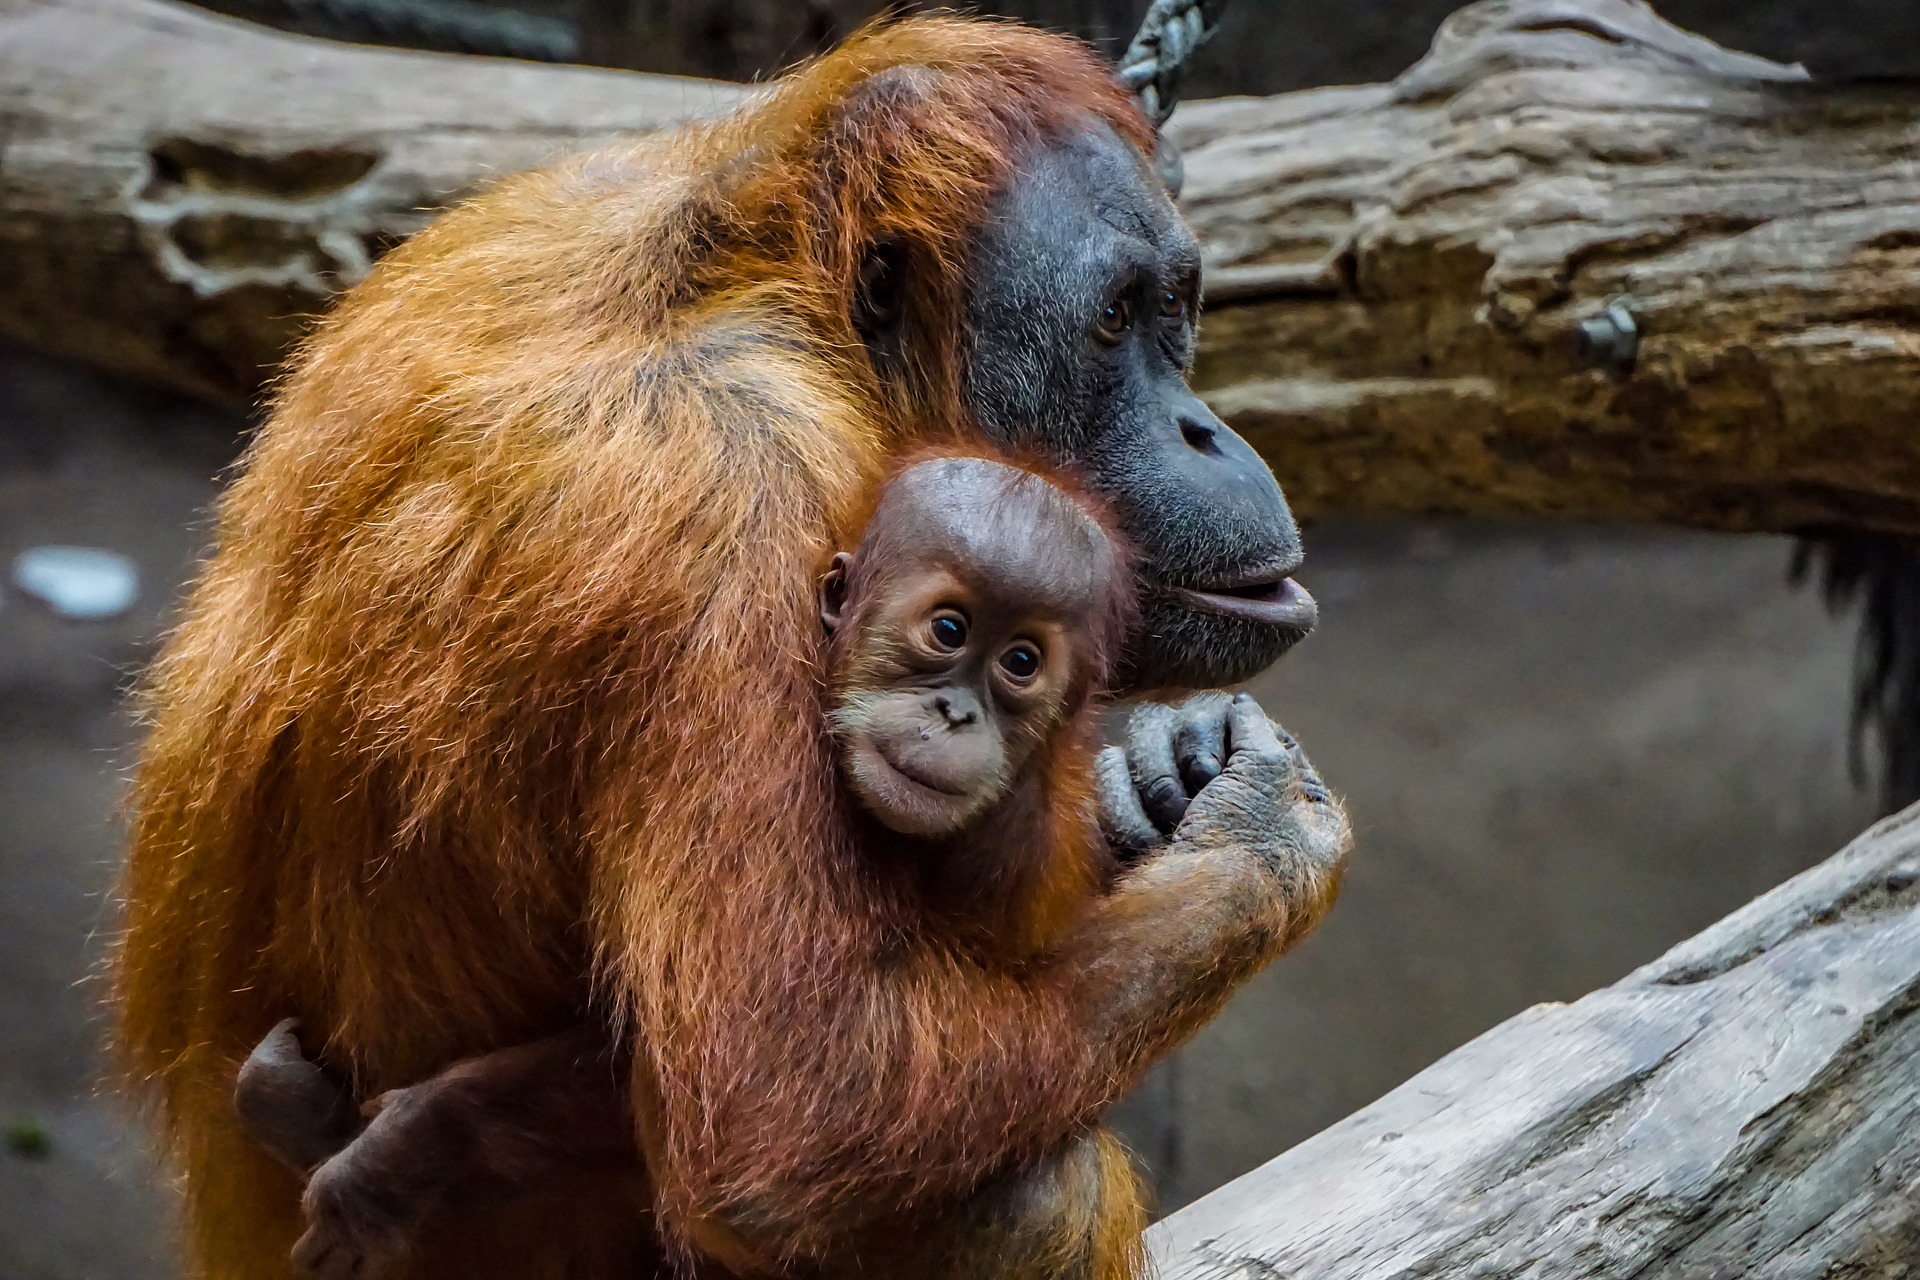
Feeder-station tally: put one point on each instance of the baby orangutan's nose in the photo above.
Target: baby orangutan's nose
(944, 738)
(957, 707)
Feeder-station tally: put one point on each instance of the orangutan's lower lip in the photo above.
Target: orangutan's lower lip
(915, 778)
(1281, 602)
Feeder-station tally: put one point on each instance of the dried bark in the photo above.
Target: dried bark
(180, 193)
(1399, 274)
(1746, 1105)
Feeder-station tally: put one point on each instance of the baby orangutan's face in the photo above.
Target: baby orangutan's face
(961, 639)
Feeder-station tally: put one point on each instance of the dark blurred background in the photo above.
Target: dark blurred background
(1264, 46)
(1564, 748)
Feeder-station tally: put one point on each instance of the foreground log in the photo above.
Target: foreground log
(1746, 1105)
(1399, 274)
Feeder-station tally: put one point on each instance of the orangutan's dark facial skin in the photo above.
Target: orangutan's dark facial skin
(1081, 320)
(963, 631)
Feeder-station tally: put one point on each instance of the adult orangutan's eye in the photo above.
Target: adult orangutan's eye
(949, 630)
(1021, 663)
(1115, 319)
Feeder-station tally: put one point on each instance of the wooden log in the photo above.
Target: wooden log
(1747, 1105)
(1398, 274)
(180, 193)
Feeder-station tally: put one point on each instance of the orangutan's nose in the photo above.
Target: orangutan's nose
(958, 707)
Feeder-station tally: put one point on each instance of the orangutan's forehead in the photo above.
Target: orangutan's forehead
(1007, 531)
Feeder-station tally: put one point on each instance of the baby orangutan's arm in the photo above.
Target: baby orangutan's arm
(509, 1118)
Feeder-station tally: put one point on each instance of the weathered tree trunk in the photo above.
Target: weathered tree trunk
(1398, 273)
(1746, 1106)
(180, 193)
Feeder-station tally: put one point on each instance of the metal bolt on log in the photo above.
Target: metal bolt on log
(1611, 340)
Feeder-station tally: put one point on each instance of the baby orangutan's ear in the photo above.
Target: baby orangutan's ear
(833, 591)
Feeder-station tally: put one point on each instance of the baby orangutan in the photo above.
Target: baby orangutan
(968, 634)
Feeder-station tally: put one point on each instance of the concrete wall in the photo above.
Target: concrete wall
(85, 462)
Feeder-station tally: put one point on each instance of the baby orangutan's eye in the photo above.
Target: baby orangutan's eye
(1021, 663)
(948, 630)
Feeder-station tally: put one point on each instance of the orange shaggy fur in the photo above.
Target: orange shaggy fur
(497, 705)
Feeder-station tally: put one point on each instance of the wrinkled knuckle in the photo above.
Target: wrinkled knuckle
(1163, 792)
(1230, 821)
(1270, 785)
(1269, 758)
(1234, 790)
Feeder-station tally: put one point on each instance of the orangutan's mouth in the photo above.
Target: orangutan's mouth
(1275, 602)
(905, 771)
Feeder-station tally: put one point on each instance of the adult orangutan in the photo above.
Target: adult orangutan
(497, 708)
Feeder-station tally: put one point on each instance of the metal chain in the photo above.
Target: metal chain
(1157, 59)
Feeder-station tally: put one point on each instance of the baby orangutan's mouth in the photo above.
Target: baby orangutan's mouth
(906, 770)
(1276, 601)
(903, 798)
